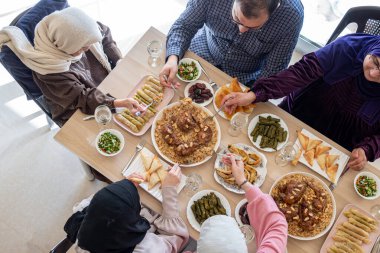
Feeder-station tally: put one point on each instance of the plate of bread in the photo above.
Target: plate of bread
(223, 91)
(148, 91)
(319, 156)
(153, 170)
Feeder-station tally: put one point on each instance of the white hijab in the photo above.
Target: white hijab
(220, 234)
(56, 37)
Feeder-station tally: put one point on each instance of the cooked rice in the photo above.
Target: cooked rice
(200, 153)
(325, 217)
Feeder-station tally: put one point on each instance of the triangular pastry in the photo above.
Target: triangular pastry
(153, 180)
(304, 140)
(162, 173)
(330, 159)
(235, 86)
(321, 149)
(313, 144)
(331, 172)
(147, 158)
(309, 157)
(156, 164)
(321, 159)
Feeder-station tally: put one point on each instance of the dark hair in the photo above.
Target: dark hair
(251, 8)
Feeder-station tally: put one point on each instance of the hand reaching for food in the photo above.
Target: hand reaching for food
(173, 178)
(132, 105)
(236, 99)
(136, 178)
(237, 167)
(358, 159)
(168, 72)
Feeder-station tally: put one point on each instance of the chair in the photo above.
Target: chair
(366, 17)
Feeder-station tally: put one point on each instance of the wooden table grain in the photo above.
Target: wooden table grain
(79, 137)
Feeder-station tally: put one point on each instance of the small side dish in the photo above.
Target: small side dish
(271, 132)
(199, 93)
(188, 70)
(243, 214)
(366, 185)
(206, 207)
(109, 142)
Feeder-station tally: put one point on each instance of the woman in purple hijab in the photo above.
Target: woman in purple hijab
(335, 90)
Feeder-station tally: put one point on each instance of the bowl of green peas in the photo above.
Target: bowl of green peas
(109, 142)
(367, 185)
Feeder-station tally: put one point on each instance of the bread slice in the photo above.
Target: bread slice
(330, 160)
(147, 158)
(313, 144)
(303, 139)
(321, 160)
(156, 164)
(309, 157)
(331, 172)
(153, 180)
(321, 149)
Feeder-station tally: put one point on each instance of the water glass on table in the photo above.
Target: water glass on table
(193, 183)
(248, 233)
(238, 123)
(286, 154)
(375, 211)
(103, 116)
(154, 49)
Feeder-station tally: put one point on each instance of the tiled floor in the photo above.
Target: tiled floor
(39, 179)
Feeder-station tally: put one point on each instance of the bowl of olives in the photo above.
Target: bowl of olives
(200, 92)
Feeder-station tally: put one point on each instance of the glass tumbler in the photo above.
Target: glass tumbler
(154, 49)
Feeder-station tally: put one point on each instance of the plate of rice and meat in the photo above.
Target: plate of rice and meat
(180, 133)
(307, 203)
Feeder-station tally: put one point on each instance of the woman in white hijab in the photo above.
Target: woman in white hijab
(71, 56)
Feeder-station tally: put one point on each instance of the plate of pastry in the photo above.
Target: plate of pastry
(319, 156)
(153, 170)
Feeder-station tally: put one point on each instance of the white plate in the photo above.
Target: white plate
(341, 161)
(114, 132)
(237, 208)
(370, 175)
(190, 216)
(138, 166)
(221, 113)
(208, 86)
(332, 200)
(261, 169)
(252, 125)
(189, 60)
(159, 116)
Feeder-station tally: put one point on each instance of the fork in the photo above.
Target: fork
(332, 186)
(221, 108)
(145, 108)
(139, 147)
(210, 81)
(175, 90)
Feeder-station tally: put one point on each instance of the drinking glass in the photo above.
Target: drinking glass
(237, 123)
(375, 211)
(193, 182)
(154, 50)
(286, 154)
(103, 116)
(248, 233)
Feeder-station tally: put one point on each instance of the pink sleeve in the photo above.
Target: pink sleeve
(271, 228)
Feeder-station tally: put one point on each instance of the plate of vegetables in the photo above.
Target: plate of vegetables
(200, 92)
(189, 70)
(109, 142)
(366, 185)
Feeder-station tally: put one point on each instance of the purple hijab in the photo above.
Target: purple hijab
(343, 59)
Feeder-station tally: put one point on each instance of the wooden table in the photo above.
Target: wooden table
(79, 137)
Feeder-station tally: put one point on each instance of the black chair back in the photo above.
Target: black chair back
(367, 19)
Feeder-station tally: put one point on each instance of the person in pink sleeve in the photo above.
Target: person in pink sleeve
(270, 226)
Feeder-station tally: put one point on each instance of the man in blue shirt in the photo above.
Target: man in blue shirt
(247, 39)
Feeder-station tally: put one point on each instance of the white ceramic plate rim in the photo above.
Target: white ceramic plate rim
(208, 86)
(189, 213)
(262, 175)
(118, 135)
(252, 124)
(332, 200)
(154, 125)
(368, 174)
(237, 208)
(187, 60)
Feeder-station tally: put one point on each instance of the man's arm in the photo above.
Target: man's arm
(186, 26)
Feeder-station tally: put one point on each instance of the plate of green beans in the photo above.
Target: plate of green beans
(268, 132)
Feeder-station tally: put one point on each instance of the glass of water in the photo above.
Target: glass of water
(248, 233)
(375, 211)
(103, 116)
(193, 182)
(286, 154)
(237, 123)
(154, 50)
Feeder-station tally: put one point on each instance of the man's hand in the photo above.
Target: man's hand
(169, 71)
(236, 99)
(358, 159)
